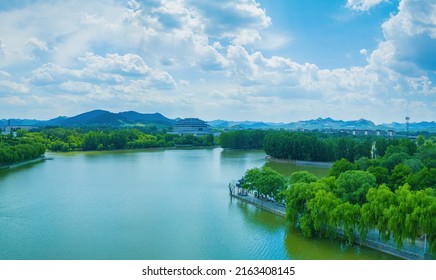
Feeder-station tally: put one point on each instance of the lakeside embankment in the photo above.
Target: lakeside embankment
(18, 164)
(409, 251)
(301, 162)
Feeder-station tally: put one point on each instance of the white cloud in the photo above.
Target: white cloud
(207, 57)
(13, 87)
(362, 5)
(412, 34)
(41, 45)
(237, 20)
(2, 48)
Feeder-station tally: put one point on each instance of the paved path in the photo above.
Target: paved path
(409, 251)
(264, 204)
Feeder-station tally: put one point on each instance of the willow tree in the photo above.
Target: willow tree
(266, 182)
(346, 216)
(374, 211)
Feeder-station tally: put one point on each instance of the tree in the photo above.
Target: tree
(302, 177)
(399, 176)
(374, 211)
(353, 185)
(346, 216)
(362, 163)
(266, 182)
(390, 161)
(381, 174)
(425, 178)
(321, 209)
(341, 166)
(297, 196)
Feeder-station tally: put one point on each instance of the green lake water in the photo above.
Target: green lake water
(162, 204)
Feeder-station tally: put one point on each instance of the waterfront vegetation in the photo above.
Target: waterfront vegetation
(394, 193)
(16, 150)
(30, 145)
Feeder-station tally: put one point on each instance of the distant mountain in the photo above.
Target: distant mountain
(18, 122)
(420, 126)
(102, 118)
(321, 124)
(222, 124)
(136, 117)
(96, 118)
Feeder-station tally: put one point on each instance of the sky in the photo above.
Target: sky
(258, 60)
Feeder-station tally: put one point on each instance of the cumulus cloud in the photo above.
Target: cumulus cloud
(412, 34)
(362, 5)
(41, 45)
(108, 70)
(236, 20)
(207, 57)
(13, 87)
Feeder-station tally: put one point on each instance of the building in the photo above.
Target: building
(191, 126)
(362, 132)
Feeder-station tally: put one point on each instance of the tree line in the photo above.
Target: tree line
(30, 145)
(18, 150)
(62, 139)
(394, 193)
(311, 146)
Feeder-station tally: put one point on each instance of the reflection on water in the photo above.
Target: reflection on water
(289, 168)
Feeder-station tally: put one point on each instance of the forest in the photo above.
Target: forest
(394, 193)
(310, 146)
(15, 150)
(30, 145)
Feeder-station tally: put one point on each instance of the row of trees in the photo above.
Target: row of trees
(398, 166)
(354, 204)
(243, 139)
(61, 139)
(394, 194)
(312, 146)
(328, 148)
(30, 145)
(266, 182)
(18, 150)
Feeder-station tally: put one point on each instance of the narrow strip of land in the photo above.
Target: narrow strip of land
(409, 251)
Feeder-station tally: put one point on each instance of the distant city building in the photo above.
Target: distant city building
(362, 132)
(12, 129)
(191, 126)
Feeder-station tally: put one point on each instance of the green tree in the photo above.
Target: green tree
(347, 217)
(381, 174)
(374, 211)
(390, 161)
(425, 178)
(266, 182)
(341, 166)
(353, 185)
(321, 210)
(399, 176)
(302, 177)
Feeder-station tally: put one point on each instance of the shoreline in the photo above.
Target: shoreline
(300, 162)
(18, 164)
(384, 247)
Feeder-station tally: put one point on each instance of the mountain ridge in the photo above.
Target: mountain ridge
(98, 117)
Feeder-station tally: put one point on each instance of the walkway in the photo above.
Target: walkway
(261, 203)
(409, 251)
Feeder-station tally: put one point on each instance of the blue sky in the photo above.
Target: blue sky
(266, 60)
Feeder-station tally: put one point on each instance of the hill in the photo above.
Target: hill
(102, 118)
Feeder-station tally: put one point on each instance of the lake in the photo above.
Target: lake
(155, 204)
